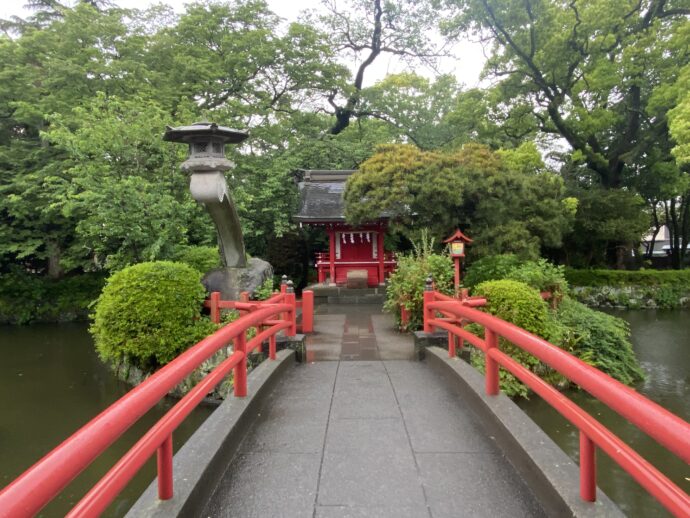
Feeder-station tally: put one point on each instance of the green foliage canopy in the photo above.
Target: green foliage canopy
(507, 201)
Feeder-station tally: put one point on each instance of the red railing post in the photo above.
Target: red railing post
(272, 347)
(241, 368)
(215, 307)
(307, 311)
(244, 296)
(292, 315)
(492, 378)
(451, 345)
(428, 299)
(165, 469)
(404, 316)
(588, 469)
(283, 284)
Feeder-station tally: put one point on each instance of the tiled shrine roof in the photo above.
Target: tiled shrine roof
(321, 195)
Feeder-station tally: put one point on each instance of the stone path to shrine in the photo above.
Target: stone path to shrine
(359, 430)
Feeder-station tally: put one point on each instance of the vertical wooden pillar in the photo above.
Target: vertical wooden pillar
(215, 307)
(379, 252)
(331, 254)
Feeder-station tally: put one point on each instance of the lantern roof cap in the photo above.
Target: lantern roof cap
(203, 129)
(458, 236)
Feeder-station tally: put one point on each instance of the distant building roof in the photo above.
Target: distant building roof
(321, 194)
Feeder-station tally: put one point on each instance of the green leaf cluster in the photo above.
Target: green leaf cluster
(202, 258)
(519, 304)
(595, 337)
(600, 340)
(507, 201)
(149, 313)
(406, 284)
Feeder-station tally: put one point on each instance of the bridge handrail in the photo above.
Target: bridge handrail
(665, 427)
(43, 481)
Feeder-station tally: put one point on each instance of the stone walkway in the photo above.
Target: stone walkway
(367, 436)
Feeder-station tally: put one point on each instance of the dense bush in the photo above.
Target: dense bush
(519, 304)
(265, 291)
(201, 258)
(516, 302)
(26, 297)
(406, 284)
(601, 340)
(490, 268)
(627, 277)
(149, 313)
(598, 339)
(539, 274)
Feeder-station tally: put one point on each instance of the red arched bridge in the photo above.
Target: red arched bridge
(371, 434)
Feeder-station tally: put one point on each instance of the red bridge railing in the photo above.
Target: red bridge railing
(37, 486)
(306, 304)
(666, 428)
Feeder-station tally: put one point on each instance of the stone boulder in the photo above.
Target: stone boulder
(230, 282)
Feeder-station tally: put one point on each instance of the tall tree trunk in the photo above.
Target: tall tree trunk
(55, 270)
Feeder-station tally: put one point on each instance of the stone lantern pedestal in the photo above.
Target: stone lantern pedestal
(207, 164)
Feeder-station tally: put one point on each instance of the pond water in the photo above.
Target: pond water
(662, 342)
(51, 383)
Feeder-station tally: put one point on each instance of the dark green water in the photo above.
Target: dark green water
(662, 342)
(51, 383)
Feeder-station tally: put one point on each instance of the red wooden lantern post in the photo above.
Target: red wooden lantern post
(457, 251)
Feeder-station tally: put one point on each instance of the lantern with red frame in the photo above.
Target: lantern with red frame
(457, 243)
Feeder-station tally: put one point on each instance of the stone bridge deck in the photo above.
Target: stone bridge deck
(368, 433)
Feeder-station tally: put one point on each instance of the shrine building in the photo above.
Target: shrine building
(354, 252)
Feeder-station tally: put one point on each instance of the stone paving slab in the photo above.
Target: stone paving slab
(355, 333)
(386, 439)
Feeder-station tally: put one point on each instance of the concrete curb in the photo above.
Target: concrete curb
(547, 470)
(200, 464)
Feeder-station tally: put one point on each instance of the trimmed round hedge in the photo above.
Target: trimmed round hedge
(149, 313)
(517, 303)
(522, 305)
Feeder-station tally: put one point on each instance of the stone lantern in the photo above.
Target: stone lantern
(207, 164)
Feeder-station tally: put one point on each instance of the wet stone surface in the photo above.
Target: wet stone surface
(352, 332)
(369, 434)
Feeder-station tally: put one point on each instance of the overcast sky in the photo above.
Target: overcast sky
(466, 66)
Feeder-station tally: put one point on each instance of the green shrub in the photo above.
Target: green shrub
(541, 275)
(522, 305)
(600, 340)
(491, 268)
(619, 278)
(406, 284)
(265, 291)
(201, 258)
(149, 313)
(516, 302)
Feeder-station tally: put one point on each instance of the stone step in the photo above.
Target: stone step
(371, 298)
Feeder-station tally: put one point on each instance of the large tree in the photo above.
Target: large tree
(592, 73)
(363, 30)
(506, 200)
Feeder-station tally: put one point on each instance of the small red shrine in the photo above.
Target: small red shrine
(352, 251)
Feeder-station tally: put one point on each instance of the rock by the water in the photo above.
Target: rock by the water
(230, 282)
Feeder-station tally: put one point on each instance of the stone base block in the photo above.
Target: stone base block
(357, 279)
